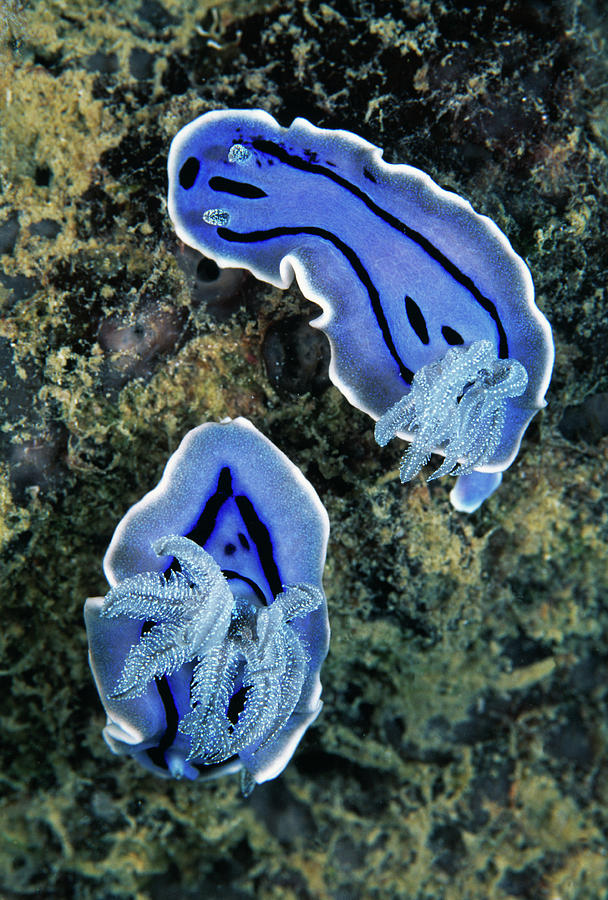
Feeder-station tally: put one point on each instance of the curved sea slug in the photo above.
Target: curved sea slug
(407, 275)
(207, 649)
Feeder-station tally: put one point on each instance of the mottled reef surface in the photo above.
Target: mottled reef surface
(462, 749)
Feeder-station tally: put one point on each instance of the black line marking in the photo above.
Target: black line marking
(416, 319)
(157, 754)
(261, 538)
(451, 336)
(188, 172)
(236, 576)
(270, 148)
(367, 174)
(237, 188)
(252, 237)
(201, 533)
(203, 529)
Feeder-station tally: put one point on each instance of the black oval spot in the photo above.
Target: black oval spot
(188, 172)
(452, 337)
(414, 314)
(237, 188)
(42, 176)
(229, 549)
(207, 270)
(243, 541)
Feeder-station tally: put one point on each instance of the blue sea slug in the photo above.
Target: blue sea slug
(208, 647)
(419, 294)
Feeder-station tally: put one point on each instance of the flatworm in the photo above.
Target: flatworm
(402, 269)
(232, 492)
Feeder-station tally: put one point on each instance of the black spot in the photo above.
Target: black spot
(525, 883)
(188, 172)
(414, 314)
(448, 847)
(452, 337)
(141, 64)
(176, 78)
(243, 541)
(236, 705)
(207, 270)
(229, 549)
(369, 175)
(42, 176)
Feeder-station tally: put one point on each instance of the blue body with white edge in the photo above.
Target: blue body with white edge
(402, 269)
(231, 491)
